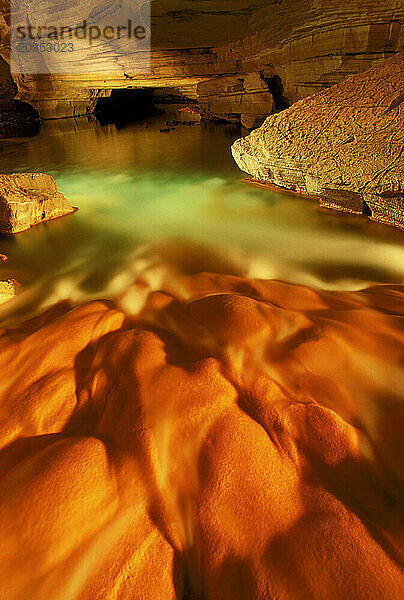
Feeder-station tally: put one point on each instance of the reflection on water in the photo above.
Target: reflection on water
(151, 200)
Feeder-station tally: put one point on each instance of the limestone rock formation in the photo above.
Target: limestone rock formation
(344, 145)
(27, 199)
(308, 44)
(231, 439)
(236, 98)
(314, 44)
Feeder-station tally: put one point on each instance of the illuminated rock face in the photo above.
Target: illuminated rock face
(237, 440)
(344, 145)
(314, 44)
(309, 44)
(7, 291)
(27, 199)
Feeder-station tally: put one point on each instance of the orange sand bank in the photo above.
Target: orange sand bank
(238, 440)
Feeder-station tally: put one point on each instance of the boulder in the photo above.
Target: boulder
(343, 145)
(27, 199)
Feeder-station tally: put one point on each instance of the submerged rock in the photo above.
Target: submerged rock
(231, 439)
(27, 199)
(344, 145)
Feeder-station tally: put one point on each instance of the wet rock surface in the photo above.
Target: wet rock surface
(27, 199)
(344, 145)
(197, 447)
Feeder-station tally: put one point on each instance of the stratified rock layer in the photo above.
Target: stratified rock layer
(27, 199)
(244, 98)
(227, 439)
(314, 44)
(344, 145)
(308, 44)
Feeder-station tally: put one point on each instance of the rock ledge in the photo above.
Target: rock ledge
(27, 199)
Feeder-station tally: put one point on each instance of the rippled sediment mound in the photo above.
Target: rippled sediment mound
(229, 439)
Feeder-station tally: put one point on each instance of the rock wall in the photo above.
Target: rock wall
(308, 44)
(17, 118)
(312, 44)
(236, 96)
(183, 37)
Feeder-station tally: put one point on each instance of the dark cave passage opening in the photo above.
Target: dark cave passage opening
(125, 106)
(275, 86)
(367, 210)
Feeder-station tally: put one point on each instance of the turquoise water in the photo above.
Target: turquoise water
(174, 201)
